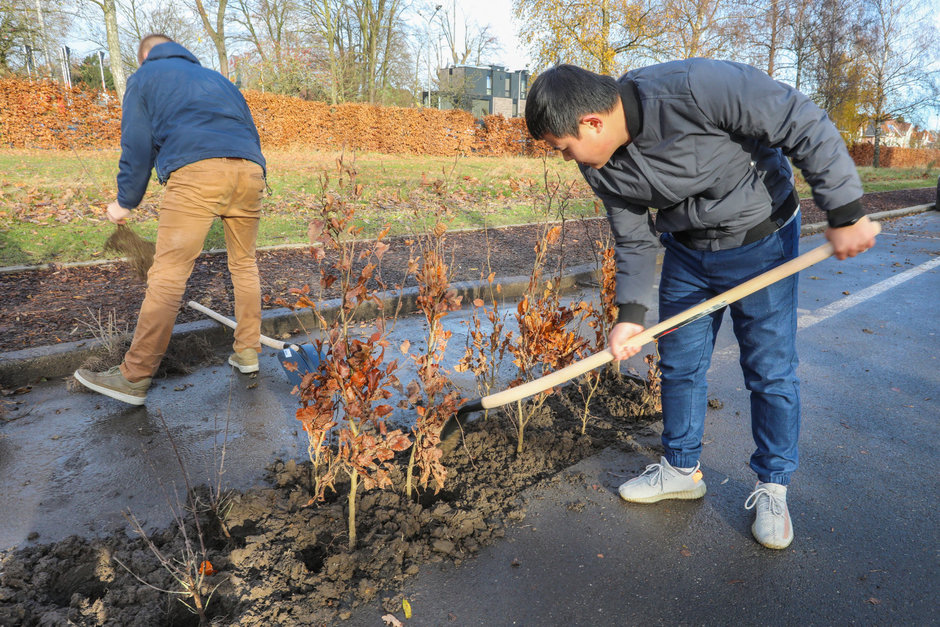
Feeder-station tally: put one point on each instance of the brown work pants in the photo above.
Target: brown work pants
(196, 194)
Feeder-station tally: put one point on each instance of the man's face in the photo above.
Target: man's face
(590, 148)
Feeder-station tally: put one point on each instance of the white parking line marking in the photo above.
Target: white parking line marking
(808, 320)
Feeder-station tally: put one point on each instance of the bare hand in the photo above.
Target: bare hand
(848, 241)
(617, 340)
(117, 213)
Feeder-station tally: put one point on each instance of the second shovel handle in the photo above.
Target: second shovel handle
(267, 341)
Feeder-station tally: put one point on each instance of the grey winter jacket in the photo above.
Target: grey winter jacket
(708, 150)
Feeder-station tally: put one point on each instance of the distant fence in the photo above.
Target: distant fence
(43, 114)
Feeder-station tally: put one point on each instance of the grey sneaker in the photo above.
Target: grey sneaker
(112, 383)
(662, 481)
(246, 360)
(772, 526)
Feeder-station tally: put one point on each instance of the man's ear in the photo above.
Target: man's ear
(593, 121)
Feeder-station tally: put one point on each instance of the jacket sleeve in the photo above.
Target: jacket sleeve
(137, 150)
(635, 249)
(744, 101)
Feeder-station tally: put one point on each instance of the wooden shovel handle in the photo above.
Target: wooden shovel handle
(267, 341)
(671, 324)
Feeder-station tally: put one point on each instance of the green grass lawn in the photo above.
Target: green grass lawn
(52, 202)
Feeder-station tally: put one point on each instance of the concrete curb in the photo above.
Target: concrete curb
(29, 365)
(23, 367)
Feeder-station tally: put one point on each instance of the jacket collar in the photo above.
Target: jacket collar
(630, 98)
(168, 50)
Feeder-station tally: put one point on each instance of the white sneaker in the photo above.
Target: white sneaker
(772, 526)
(662, 481)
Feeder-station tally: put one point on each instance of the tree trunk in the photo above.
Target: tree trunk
(353, 488)
(876, 157)
(217, 34)
(114, 48)
(43, 40)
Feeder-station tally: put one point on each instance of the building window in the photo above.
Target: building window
(508, 87)
(489, 85)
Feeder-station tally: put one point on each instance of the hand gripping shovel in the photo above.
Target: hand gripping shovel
(666, 326)
(297, 360)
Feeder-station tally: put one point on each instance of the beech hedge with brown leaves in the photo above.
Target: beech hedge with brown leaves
(44, 114)
(894, 157)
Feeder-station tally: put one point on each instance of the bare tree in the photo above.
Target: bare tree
(798, 19)
(834, 25)
(282, 51)
(265, 25)
(112, 34)
(698, 28)
(14, 33)
(215, 28)
(377, 20)
(901, 53)
(763, 27)
(328, 24)
(470, 44)
(143, 17)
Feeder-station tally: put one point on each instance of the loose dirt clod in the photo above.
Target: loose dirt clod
(138, 251)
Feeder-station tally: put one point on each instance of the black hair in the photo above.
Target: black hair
(562, 95)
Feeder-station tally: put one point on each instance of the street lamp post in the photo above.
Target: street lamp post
(101, 67)
(436, 9)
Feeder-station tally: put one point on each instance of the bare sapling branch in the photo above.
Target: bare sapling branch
(486, 346)
(431, 395)
(191, 568)
(344, 402)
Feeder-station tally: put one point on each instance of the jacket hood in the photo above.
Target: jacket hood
(169, 50)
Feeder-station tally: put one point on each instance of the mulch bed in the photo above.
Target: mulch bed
(45, 307)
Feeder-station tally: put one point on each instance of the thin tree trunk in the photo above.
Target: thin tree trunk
(43, 41)
(217, 34)
(876, 157)
(353, 488)
(114, 48)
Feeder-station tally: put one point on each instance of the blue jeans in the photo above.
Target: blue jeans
(765, 327)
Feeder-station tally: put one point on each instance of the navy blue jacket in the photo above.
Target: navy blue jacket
(177, 112)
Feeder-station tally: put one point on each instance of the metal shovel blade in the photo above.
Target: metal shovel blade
(298, 361)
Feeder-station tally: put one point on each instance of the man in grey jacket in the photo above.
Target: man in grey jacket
(705, 143)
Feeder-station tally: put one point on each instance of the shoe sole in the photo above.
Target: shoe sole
(242, 369)
(100, 389)
(683, 495)
(770, 545)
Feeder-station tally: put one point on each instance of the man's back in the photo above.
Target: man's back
(177, 112)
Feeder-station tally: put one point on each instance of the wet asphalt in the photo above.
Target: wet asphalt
(864, 501)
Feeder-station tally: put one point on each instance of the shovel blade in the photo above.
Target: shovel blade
(298, 361)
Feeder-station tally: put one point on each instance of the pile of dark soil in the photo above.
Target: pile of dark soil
(45, 307)
(287, 561)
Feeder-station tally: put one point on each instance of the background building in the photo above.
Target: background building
(482, 90)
